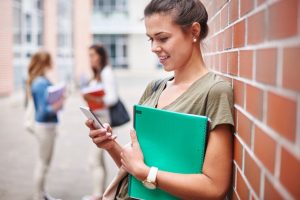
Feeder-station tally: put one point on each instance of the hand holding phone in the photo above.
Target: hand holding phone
(91, 115)
(96, 121)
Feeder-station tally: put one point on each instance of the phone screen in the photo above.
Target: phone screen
(97, 118)
(91, 115)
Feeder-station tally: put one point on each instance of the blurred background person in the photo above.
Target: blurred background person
(102, 76)
(45, 127)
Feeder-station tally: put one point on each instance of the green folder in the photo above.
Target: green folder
(172, 141)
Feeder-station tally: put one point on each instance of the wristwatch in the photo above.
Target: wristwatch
(150, 181)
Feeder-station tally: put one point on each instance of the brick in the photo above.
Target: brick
(256, 28)
(217, 22)
(270, 192)
(220, 41)
(235, 118)
(233, 10)
(291, 69)
(233, 176)
(209, 9)
(283, 19)
(213, 45)
(239, 34)
(220, 4)
(216, 61)
(224, 17)
(246, 6)
(252, 172)
(234, 196)
(265, 154)
(232, 59)
(244, 128)
(237, 152)
(223, 62)
(281, 115)
(259, 2)
(228, 38)
(242, 189)
(207, 60)
(254, 101)
(290, 172)
(246, 64)
(266, 63)
(238, 92)
(252, 197)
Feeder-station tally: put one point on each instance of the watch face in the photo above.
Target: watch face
(149, 185)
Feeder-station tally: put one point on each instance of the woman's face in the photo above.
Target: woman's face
(94, 59)
(168, 41)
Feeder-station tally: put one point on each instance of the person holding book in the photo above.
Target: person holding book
(176, 28)
(99, 95)
(45, 127)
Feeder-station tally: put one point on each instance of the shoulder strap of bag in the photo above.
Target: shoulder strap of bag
(156, 85)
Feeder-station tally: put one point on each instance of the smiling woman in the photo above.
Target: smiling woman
(176, 29)
(170, 25)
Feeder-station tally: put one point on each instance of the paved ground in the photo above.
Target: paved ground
(69, 176)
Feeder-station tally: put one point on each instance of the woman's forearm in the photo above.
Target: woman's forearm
(190, 186)
(115, 153)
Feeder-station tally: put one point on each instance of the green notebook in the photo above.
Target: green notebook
(173, 142)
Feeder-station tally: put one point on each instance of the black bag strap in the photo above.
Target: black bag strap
(156, 85)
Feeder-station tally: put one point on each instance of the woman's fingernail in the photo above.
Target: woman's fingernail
(108, 134)
(113, 137)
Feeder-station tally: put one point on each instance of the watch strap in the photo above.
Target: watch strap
(152, 174)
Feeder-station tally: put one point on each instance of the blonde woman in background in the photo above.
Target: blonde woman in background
(46, 120)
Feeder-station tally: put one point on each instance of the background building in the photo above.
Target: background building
(66, 29)
(28, 27)
(118, 24)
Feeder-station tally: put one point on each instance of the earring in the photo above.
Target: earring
(195, 40)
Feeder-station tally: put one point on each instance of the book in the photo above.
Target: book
(55, 92)
(94, 91)
(171, 141)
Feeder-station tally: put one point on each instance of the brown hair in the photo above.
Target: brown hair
(38, 63)
(185, 13)
(102, 53)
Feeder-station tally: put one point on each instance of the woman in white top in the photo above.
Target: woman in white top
(102, 74)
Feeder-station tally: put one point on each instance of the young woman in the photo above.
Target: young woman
(175, 29)
(45, 118)
(102, 74)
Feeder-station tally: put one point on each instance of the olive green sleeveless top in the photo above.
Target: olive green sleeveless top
(210, 96)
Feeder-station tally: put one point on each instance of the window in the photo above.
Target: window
(64, 60)
(17, 18)
(110, 6)
(40, 22)
(40, 4)
(28, 27)
(116, 46)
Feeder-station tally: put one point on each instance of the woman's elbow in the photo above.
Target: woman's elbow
(219, 192)
(213, 192)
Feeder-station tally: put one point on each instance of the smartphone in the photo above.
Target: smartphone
(91, 115)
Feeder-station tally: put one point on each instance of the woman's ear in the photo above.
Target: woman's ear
(196, 29)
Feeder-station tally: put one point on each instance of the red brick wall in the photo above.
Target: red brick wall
(255, 44)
